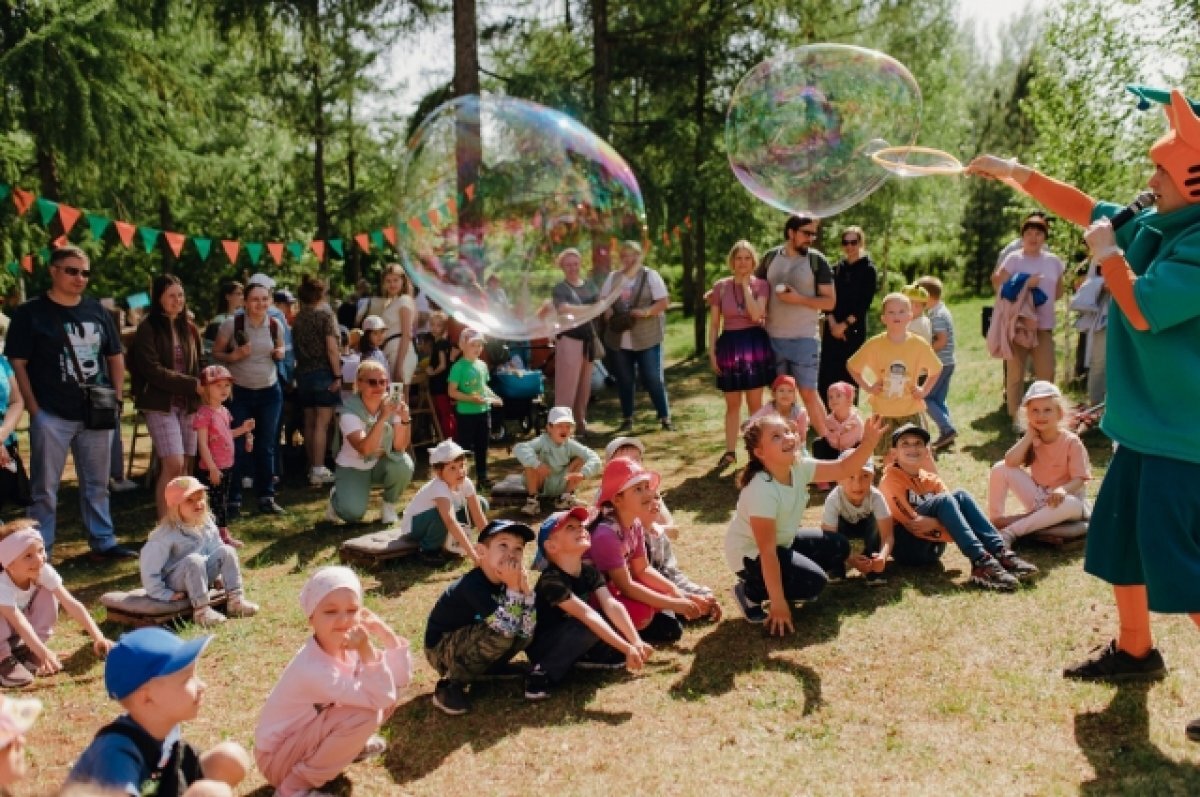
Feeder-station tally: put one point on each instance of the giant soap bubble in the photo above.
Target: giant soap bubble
(493, 190)
(801, 126)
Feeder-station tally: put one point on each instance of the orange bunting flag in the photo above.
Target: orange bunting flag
(414, 224)
(68, 216)
(276, 250)
(452, 206)
(22, 199)
(435, 220)
(231, 250)
(470, 192)
(390, 234)
(687, 222)
(27, 262)
(364, 242)
(59, 241)
(125, 232)
(318, 248)
(175, 242)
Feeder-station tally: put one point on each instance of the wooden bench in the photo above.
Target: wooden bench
(375, 548)
(137, 609)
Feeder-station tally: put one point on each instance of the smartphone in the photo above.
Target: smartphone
(396, 391)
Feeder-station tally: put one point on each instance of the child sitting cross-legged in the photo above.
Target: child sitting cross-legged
(484, 618)
(30, 593)
(927, 512)
(184, 555)
(569, 631)
(555, 463)
(855, 509)
(152, 674)
(336, 691)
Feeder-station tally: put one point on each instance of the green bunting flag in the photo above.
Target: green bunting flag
(46, 208)
(336, 245)
(4, 192)
(149, 238)
(377, 239)
(14, 267)
(44, 254)
(98, 225)
(254, 252)
(296, 249)
(203, 247)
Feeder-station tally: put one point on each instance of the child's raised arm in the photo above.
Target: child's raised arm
(836, 470)
(101, 644)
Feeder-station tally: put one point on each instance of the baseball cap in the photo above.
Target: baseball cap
(620, 442)
(468, 335)
(909, 428)
(507, 527)
(445, 451)
(145, 654)
(1041, 389)
(263, 280)
(180, 488)
(372, 323)
(553, 524)
(619, 475)
(214, 373)
(783, 379)
(560, 415)
(284, 296)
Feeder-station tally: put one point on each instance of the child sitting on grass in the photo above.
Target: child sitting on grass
(152, 674)
(785, 402)
(184, 556)
(336, 691)
(438, 516)
(484, 618)
(843, 424)
(926, 512)
(855, 509)
(569, 631)
(1046, 469)
(555, 463)
(30, 593)
(774, 559)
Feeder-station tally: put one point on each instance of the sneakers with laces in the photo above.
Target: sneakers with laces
(753, 612)
(320, 476)
(207, 617)
(1016, 565)
(14, 674)
(990, 574)
(451, 697)
(601, 656)
(238, 606)
(268, 506)
(1110, 663)
(26, 657)
(567, 501)
(387, 514)
(532, 507)
(667, 426)
(537, 685)
(943, 440)
(375, 747)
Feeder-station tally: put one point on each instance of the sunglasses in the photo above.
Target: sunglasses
(849, 242)
(374, 382)
(75, 271)
(809, 233)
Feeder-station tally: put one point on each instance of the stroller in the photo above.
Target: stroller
(524, 410)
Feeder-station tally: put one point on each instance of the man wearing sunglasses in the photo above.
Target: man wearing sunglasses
(48, 375)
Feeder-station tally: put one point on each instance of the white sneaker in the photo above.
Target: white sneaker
(247, 482)
(121, 485)
(238, 606)
(320, 476)
(532, 507)
(330, 514)
(387, 514)
(207, 617)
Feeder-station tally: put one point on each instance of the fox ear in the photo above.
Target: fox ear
(1183, 120)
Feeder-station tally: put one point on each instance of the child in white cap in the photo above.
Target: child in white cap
(336, 691)
(438, 516)
(555, 463)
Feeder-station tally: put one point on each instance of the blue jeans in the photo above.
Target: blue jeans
(799, 358)
(265, 406)
(50, 438)
(935, 402)
(968, 525)
(648, 363)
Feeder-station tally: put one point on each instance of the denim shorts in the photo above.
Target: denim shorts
(312, 389)
(799, 358)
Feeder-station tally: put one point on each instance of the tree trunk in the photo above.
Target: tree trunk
(352, 265)
(601, 68)
(699, 278)
(166, 220)
(468, 153)
(320, 128)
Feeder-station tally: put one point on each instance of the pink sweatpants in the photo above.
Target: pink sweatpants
(572, 378)
(319, 750)
(41, 614)
(1032, 496)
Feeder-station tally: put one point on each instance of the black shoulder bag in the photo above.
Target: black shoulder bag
(101, 407)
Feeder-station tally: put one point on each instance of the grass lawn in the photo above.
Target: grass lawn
(923, 686)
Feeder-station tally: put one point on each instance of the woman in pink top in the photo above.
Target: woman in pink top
(335, 693)
(1046, 469)
(741, 354)
(1045, 272)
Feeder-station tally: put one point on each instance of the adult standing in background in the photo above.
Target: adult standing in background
(575, 349)
(165, 371)
(318, 374)
(801, 289)
(395, 305)
(47, 337)
(845, 329)
(231, 295)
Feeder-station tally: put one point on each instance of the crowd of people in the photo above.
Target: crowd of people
(608, 586)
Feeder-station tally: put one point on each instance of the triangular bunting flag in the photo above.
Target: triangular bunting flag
(470, 192)
(149, 238)
(46, 208)
(22, 200)
(125, 232)
(5, 190)
(414, 224)
(390, 234)
(364, 242)
(318, 248)
(336, 245)
(296, 250)
(435, 218)
(58, 242)
(203, 247)
(175, 241)
(231, 250)
(254, 252)
(276, 250)
(68, 216)
(377, 238)
(98, 225)
(14, 267)
(27, 261)
(451, 206)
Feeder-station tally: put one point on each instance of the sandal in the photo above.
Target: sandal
(727, 459)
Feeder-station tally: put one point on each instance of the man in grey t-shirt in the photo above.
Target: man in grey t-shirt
(801, 289)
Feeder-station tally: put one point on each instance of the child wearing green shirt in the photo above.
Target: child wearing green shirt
(467, 384)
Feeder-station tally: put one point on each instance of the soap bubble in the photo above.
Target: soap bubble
(801, 126)
(482, 242)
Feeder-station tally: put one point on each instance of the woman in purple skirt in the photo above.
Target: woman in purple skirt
(741, 354)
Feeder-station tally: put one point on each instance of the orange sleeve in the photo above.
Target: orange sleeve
(1064, 200)
(1119, 279)
(893, 489)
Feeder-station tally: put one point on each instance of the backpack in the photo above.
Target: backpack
(284, 367)
(769, 257)
(172, 778)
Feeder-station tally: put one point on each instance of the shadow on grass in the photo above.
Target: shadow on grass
(306, 545)
(421, 737)
(1116, 741)
(997, 427)
(712, 496)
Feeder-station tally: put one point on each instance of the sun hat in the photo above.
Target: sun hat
(1041, 389)
(372, 323)
(145, 654)
(619, 475)
(445, 451)
(560, 415)
(180, 488)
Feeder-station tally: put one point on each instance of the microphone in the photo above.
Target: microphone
(1141, 202)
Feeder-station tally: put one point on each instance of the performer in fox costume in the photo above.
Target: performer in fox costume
(1145, 532)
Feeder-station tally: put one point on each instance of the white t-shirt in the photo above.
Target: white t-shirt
(348, 456)
(654, 286)
(837, 505)
(10, 595)
(766, 498)
(435, 488)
